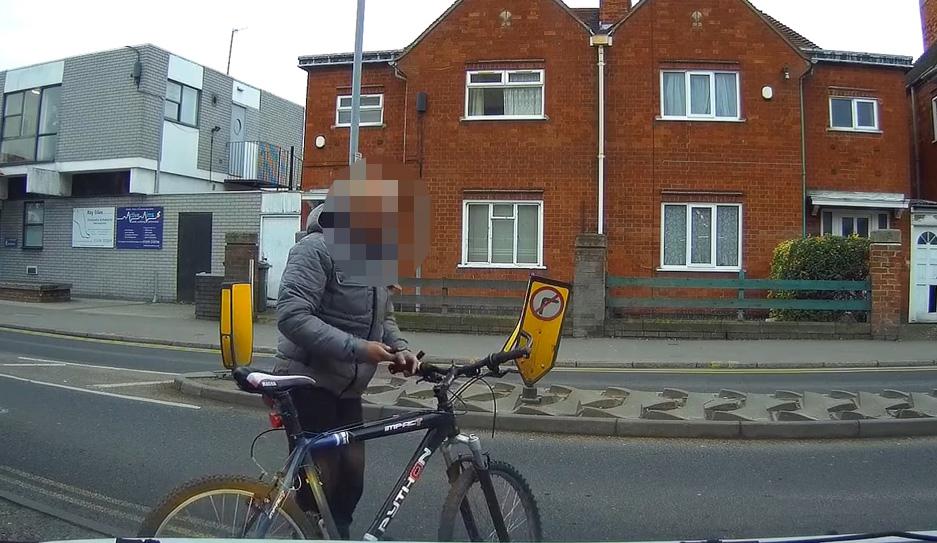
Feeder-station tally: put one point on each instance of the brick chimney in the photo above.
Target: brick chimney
(929, 22)
(612, 11)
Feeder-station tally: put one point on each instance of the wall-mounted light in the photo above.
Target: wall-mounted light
(319, 141)
(787, 72)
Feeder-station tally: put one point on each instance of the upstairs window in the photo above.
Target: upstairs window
(504, 94)
(181, 103)
(854, 114)
(30, 125)
(372, 110)
(699, 95)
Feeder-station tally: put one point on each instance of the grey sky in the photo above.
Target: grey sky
(277, 33)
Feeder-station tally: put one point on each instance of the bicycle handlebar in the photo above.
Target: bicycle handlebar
(492, 362)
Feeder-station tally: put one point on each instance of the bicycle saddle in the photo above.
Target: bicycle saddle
(260, 382)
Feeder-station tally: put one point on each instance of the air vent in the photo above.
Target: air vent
(32, 270)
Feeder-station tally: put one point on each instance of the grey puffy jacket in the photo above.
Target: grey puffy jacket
(324, 319)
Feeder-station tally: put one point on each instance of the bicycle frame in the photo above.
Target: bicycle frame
(442, 432)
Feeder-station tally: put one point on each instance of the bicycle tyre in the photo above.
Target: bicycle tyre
(155, 523)
(468, 482)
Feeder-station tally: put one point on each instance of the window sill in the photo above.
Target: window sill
(503, 266)
(369, 125)
(504, 118)
(180, 123)
(706, 270)
(699, 119)
(853, 130)
(31, 248)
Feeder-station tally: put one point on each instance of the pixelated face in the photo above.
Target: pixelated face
(376, 224)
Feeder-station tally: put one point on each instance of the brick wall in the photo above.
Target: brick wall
(926, 139)
(121, 273)
(377, 143)
(877, 162)
(214, 85)
(281, 122)
(888, 273)
(755, 162)
(103, 115)
(929, 22)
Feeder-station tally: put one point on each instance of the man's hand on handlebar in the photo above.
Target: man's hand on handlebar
(404, 362)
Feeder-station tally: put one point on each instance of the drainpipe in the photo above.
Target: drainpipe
(803, 156)
(915, 144)
(601, 42)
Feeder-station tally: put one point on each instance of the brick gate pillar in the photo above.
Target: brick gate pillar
(885, 270)
(589, 285)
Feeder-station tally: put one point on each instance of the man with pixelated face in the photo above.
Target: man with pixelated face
(335, 316)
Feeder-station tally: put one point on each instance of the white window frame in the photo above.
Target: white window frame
(339, 107)
(505, 84)
(840, 214)
(712, 93)
(491, 203)
(689, 266)
(855, 114)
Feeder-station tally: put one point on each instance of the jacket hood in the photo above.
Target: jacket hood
(312, 222)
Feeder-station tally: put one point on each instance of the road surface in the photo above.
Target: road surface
(100, 446)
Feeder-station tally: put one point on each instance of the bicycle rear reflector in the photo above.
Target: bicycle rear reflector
(542, 322)
(236, 325)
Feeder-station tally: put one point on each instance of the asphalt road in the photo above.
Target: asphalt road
(97, 447)
(923, 379)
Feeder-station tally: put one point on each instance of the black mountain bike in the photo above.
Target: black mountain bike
(488, 500)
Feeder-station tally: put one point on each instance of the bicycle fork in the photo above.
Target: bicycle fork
(480, 462)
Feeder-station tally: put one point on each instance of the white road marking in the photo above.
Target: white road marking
(136, 384)
(100, 392)
(34, 365)
(94, 366)
(91, 506)
(69, 488)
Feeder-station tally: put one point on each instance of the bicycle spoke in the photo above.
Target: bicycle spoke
(234, 522)
(217, 517)
(247, 514)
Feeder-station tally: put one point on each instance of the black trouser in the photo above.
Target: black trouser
(341, 469)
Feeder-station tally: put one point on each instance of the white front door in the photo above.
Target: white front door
(277, 236)
(924, 274)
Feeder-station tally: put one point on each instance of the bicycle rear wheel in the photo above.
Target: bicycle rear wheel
(466, 517)
(224, 506)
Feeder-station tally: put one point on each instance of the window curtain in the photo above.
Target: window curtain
(478, 233)
(727, 100)
(523, 100)
(727, 236)
(700, 102)
(476, 102)
(528, 234)
(674, 235)
(502, 241)
(701, 235)
(675, 94)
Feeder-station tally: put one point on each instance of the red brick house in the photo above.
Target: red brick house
(922, 87)
(720, 133)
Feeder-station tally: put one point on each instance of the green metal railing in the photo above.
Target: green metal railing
(741, 284)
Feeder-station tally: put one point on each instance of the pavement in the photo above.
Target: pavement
(175, 324)
(102, 460)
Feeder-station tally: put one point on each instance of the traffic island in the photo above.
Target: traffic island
(625, 412)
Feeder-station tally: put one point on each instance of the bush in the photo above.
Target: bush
(827, 258)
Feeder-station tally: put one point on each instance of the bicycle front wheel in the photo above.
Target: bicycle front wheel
(224, 506)
(466, 516)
